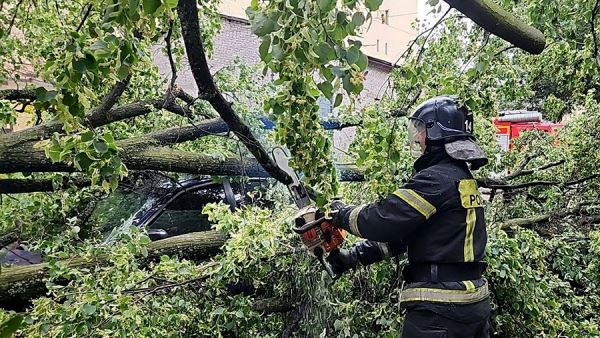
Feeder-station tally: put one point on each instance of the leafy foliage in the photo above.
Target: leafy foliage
(544, 275)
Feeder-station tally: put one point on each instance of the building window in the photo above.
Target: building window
(386, 48)
(385, 17)
(377, 45)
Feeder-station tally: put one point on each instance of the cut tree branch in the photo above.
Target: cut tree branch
(19, 284)
(19, 186)
(17, 94)
(498, 21)
(190, 28)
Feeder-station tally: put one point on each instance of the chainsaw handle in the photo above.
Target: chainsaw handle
(304, 228)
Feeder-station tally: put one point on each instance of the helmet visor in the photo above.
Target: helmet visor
(416, 136)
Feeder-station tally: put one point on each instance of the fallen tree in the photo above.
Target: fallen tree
(500, 22)
(19, 284)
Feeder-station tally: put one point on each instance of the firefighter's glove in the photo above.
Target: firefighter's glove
(337, 212)
(342, 260)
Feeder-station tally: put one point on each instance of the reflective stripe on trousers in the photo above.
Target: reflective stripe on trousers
(470, 295)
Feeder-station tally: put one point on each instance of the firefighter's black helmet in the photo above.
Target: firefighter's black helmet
(447, 124)
(444, 119)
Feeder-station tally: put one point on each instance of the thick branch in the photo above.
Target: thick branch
(17, 186)
(21, 283)
(527, 222)
(190, 28)
(17, 94)
(141, 155)
(504, 186)
(8, 237)
(496, 20)
(124, 112)
(272, 305)
(108, 101)
(186, 133)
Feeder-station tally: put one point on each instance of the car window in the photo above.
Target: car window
(118, 208)
(184, 214)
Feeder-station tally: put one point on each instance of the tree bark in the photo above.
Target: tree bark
(498, 21)
(190, 31)
(26, 185)
(17, 94)
(167, 159)
(18, 153)
(272, 305)
(19, 284)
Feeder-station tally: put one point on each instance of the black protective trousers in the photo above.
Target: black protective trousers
(427, 324)
(455, 323)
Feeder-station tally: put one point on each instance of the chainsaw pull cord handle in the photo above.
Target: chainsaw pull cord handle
(300, 229)
(336, 205)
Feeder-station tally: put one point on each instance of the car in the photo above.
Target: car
(169, 208)
(163, 206)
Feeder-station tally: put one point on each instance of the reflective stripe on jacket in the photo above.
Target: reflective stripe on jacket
(437, 215)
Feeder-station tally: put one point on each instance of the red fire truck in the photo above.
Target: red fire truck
(511, 123)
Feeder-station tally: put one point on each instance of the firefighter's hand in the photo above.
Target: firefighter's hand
(336, 206)
(342, 260)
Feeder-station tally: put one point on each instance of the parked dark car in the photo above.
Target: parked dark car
(175, 208)
(165, 207)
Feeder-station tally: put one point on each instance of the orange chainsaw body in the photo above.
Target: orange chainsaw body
(318, 234)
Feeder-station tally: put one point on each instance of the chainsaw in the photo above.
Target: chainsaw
(316, 231)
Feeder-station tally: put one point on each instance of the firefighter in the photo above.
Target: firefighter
(437, 218)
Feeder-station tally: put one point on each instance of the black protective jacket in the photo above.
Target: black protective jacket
(437, 217)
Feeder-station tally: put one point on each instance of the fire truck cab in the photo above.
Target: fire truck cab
(510, 124)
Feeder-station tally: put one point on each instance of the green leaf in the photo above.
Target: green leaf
(100, 146)
(326, 88)
(277, 52)
(338, 100)
(150, 6)
(325, 52)
(373, 5)
(79, 66)
(347, 84)
(352, 55)
(87, 136)
(123, 72)
(45, 95)
(263, 49)
(362, 62)
(358, 18)
(326, 5)
(88, 309)
(262, 25)
(337, 71)
(82, 161)
(10, 326)
(100, 48)
(54, 152)
(171, 3)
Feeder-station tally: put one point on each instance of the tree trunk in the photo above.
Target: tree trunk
(19, 284)
(498, 21)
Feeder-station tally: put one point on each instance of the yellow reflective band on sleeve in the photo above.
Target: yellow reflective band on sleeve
(445, 295)
(353, 220)
(470, 227)
(469, 285)
(416, 201)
